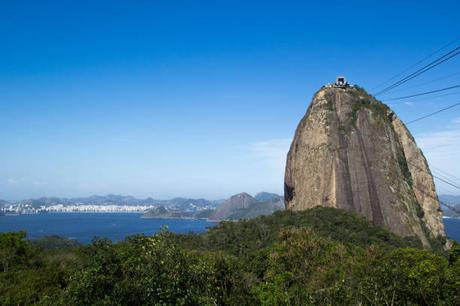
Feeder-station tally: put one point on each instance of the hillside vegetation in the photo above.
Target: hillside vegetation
(322, 256)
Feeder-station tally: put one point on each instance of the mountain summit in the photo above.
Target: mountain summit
(350, 151)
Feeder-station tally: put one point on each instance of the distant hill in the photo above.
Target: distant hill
(244, 206)
(239, 206)
(255, 210)
(268, 197)
(235, 202)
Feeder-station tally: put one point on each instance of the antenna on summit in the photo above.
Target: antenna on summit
(341, 82)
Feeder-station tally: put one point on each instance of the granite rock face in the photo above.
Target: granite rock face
(352, 152)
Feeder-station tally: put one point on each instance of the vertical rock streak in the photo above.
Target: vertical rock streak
(377, 217)
(343, 168)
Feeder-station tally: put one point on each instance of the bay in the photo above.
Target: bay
(452, 228)
(83, 227)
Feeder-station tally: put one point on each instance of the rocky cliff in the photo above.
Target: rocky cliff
(352, 152)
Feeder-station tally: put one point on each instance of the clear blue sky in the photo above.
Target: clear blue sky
(197, 98)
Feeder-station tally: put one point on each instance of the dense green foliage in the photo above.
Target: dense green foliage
(321, 256)
(30, 274)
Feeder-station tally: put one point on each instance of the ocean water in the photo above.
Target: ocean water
(452, 227)
(83, 227)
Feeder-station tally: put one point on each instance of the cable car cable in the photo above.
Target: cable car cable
(446, 173)
(423, 93)
(434, 113)
(422, 70)
(417, 63)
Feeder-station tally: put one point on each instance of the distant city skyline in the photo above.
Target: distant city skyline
(200, 100)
